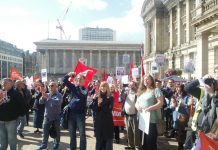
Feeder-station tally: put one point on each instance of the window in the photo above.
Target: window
(51, 58)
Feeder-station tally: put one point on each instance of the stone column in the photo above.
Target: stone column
(147, 38)
(171, 29)
(55, 62)
(108, 60)
(90, 57)
(202, 54)
(117, 59)
(99, 61)
(188, 34)
(178, 24)
(1, 69)
(47, 66)
(82, 53)
(134, 58)
(64, 61)
(73, 59)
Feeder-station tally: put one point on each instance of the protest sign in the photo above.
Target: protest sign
(117, 117)
(144, 121)
(44, 75)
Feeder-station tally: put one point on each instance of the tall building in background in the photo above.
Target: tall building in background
(97, 34)
(10, 56)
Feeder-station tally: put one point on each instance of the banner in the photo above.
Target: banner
(15, 74)
(117, 117)
(207, 143)
(86, 71)
(160, 59)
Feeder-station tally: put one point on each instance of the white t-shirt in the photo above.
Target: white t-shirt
(129, 105)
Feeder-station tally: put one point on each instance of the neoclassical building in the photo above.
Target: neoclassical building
(182, 30)
(61, 56)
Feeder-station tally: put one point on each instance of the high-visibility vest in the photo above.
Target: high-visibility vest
(198, 109)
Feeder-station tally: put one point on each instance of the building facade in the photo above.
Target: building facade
(10, 56)
(182, 30)
(31, 66)
(97, 34)
(61, 56)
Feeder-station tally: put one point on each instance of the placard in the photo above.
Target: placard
(154, 67)
(135, 73)
(120, 71)
(126, 59)
(125, 79)
(160, 59)
(44, 75)
(144, 121)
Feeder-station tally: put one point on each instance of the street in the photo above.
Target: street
(33, 140)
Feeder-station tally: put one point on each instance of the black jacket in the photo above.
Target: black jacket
(104, 119)
(13, 108)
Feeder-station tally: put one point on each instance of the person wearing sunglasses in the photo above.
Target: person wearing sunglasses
(52, 101)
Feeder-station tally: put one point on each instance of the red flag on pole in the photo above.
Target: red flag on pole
(104, 76)
(15, 74)
(87, 71)
(130, 70)
(142, 68)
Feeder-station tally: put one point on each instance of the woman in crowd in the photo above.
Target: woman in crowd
(179, 105)
(104, 121)
(39, 109)
(149, 99)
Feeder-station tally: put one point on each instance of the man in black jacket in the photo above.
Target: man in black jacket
(11, 106)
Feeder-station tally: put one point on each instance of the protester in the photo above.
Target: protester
(11, 107)
(179, 106)
(115, 93)
(77, 108)
(52, 101)
(103, 105)
(205, 108)
(133, 133)
(149, 99)
(19, 85)
(39, 109)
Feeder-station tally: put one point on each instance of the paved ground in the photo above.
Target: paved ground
(32, 141)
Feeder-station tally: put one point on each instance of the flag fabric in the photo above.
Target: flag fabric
(142, 68)
(86, 71)
(207, 143)
(15, 74)
(130, 70)
(104, 76)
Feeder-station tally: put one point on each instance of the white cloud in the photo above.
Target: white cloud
(127, 27)
(13, 11)
(84, 4)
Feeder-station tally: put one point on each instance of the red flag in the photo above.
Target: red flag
(15, 74)
(104, 76)
(130, 70)
(207, 143)
(142, 68)
(87, 71)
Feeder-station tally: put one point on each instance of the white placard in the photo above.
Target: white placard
(126, 59)
(125, 79)
(135, 73)
(144, 121)
(120, 71)
(160, 59)
(154, 67)
(44, 75)
(109, 80)
(189, 66)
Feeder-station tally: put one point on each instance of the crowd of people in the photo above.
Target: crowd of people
(185, 108)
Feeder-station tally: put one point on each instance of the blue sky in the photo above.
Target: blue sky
(26, 21)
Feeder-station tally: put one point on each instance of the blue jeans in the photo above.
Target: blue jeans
(102, 144)
(77, 121)
(46, 126)
(8, 134)
(21, 123)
